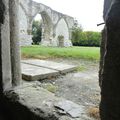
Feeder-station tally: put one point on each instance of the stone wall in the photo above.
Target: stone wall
(5, 58)
(54, 24)
(62, 29)
(10, 72)
(25, 38)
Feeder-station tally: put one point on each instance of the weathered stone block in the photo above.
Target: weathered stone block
(33, 72)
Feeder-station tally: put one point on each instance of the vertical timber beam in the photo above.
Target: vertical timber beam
(5, 62)
(15, 43)
(110, 89)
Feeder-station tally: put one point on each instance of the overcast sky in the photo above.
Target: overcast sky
(88, 12)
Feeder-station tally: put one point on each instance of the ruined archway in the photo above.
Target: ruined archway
(46, 29)
(62, 29)
(51, 19)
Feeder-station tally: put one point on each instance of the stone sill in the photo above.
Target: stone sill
(31, 102)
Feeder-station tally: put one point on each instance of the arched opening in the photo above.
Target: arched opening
(42, 29)
(37, 30)
(62, 33)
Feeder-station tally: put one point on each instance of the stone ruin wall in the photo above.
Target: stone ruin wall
(54, 24)
(25, 38)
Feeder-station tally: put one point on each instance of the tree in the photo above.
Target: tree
(36, 32)
(85, 38)
(76, 33)
(93, 38)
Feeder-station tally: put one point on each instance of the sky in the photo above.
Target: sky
(88, 12)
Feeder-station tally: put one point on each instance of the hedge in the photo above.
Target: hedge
(86, 38)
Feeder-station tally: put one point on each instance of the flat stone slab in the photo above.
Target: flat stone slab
(31, 72)
(61, 67)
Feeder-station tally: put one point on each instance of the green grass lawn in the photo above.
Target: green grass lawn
(37, 51)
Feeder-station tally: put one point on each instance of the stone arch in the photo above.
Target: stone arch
(59, 21)
(51, 20)
(62, 28)
(47, 27)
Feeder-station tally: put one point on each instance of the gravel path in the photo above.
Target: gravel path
(80, 87)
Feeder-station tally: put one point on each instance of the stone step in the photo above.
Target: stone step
(31, 72)
(61, 67)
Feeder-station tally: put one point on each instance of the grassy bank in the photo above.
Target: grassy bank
(90, 53)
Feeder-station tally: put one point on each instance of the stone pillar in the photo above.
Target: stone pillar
(5, 64)
(110, 89)
(15, 43)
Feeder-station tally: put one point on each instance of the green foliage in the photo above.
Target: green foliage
(60, 37)
(76, 33)
(50, 87)
(36, 32)
(80, 68)
(41, 52)
(61, 40)
(85, 38)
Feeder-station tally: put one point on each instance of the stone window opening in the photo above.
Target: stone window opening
(10, 70)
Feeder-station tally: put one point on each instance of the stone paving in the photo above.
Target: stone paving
(43, 69)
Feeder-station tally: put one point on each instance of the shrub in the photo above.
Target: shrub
(60, 37)
(85, 38)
